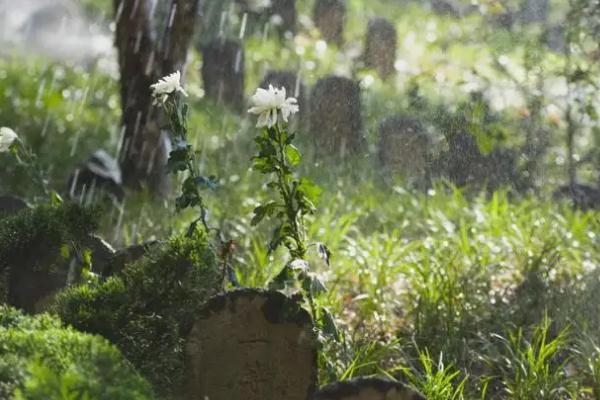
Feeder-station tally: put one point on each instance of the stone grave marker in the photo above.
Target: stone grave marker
(367, 389)
(335, 116)
(404, 146)
(252, 345)
(329, 17)
(101, 172)
(380, 46)
(10, 205)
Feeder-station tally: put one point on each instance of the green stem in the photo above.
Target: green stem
(287, 194)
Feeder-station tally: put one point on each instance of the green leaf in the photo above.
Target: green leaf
(285, 277)
(263, 211)
(328, 325)
(309, 194)
(293, 155)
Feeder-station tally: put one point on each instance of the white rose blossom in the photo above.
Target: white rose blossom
(268, 102)
(167, 85)
(7, 138)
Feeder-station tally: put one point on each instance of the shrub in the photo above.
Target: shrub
(35, 243)
(149, 308)
(42, 359)
(48, 226)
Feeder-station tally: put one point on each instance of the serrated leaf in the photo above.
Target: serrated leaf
(283, 279)
(263, 211)
(328, 325)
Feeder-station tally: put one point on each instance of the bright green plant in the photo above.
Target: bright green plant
(437, 381)
(277, 157)
(183, 158)
(40, 359)
(536, 368)
(149, 308)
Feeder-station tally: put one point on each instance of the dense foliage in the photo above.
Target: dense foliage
(484, 290)
(42, 359)
(148, 309)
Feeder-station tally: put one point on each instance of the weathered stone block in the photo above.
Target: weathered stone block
(335, 116)
(329, 17)
(380, 46)
(367, 389)
(404, 146)
(251, 345)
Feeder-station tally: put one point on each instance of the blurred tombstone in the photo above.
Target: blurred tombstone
(223, 68)
(446, 7)
(380, 46)
(555, 38)
(501, 169)
(583, 197)
(535, 11)
(284, 15)
(10, 205)
(102, 252)
(253, 345)
(120, 259)
(404, 147)
(100, 173)
(294, 87)
(462, 163)
(33, 279)
(329, 17)
(367, 389)
(335, 116)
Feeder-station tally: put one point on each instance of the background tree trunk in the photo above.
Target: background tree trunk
(144, 57)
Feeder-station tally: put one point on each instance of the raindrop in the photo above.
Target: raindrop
(45, 127)
(75, 142)
(172, 15)
(243, 27)
(117, 234)
(238, 60)
(120, 11)
(74, 183)
(134, 9)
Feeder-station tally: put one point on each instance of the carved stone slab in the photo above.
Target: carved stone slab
(367, 389)
(251, 345)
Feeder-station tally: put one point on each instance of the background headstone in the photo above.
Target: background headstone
(100, 173)
(284, 12)
(367, 389)
(462, 163)
(126, 256)
(223, 67)
(404, 146)
(329, 17)
(335, 116)
(380, 47)
(535, 11)
(252, 345)
(10, 205)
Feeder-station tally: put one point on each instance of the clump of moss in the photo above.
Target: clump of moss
(42, 359)
(48, 226)
(34, 241)
(149, 308)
